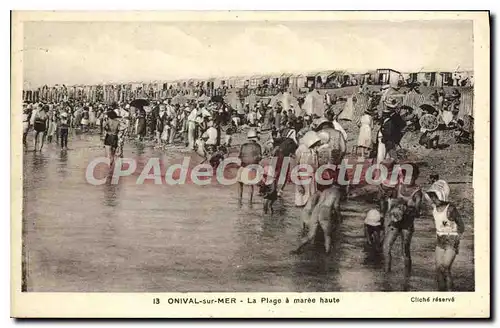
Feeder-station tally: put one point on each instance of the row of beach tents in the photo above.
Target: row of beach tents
(314, 103)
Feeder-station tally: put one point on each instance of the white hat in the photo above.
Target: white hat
(64, 114)
(373, 218)
(441, 189)
(310, 139)
(252, 134)
(127, 106)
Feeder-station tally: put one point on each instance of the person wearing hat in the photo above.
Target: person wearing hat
(374, 229)
(124, 119)
(140, 128)
(365, 133)
(449, 230)
(250, 153)
(390, 133)
(26, 122)
(64, 130)
(306, 155)
(332, 150)
(210, 137)
(191, 126)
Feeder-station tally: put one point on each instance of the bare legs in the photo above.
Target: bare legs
(444, 260)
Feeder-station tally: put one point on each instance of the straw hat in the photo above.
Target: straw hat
(373, 218)
(319, 122)
(252, 134)
(310, 139)
(441, 189)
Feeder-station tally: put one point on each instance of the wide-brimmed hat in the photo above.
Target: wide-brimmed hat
(310, 139)
(252, 134)
(391, 103)
(441, 189)
(320, 122)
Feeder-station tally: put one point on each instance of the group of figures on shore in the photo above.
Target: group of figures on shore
(207, 127)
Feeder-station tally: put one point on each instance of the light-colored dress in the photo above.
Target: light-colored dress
(365, 131)
(305, 155)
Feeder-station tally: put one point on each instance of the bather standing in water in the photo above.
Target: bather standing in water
(40, 126)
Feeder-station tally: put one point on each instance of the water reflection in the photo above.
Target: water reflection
(63, 164)
(111, 192)
(127, 237)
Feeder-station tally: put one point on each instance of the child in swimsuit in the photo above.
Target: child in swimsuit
(449, 231)
(374, 229)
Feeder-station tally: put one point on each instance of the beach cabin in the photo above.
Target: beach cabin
(297, 82)
(387, 76)
(427, 78)
(284, 80)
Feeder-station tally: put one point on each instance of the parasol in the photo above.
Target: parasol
(429, 122)
(218, 99)
(428, 109)
(139, 103)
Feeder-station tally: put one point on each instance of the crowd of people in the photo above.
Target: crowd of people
(207, 126)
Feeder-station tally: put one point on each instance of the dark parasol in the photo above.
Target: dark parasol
(139, 103)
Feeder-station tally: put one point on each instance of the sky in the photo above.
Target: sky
(100, 52)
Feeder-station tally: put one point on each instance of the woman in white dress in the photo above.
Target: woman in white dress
(306, 154)
(365, 133)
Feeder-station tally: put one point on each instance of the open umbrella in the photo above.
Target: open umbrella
(218, 99)
(428, 109)
(139, 103)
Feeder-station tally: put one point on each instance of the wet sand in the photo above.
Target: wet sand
(144, 238)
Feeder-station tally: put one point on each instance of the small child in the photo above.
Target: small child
(374, 229)
(268, 189)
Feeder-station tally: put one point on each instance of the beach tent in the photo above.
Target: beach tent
(251, 100)
(466, 103)
(287, 100)
(314, 103)
(413, 99)
(360, 106)
(348, 112)
(233, 99)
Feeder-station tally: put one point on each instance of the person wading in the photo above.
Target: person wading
(112, 127)
(40, 126)
(306, 155)
(449, 232)
(250, 153)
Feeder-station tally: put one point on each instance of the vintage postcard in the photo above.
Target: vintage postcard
(250, 164)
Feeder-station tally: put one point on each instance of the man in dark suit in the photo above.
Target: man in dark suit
(392, 128)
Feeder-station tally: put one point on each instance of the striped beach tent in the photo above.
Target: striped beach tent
(466, 106)
(251, 100)
(361, 105)
(233, 100)
(287, 100)
(348, 112)
(413, 99)
(314, 103)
